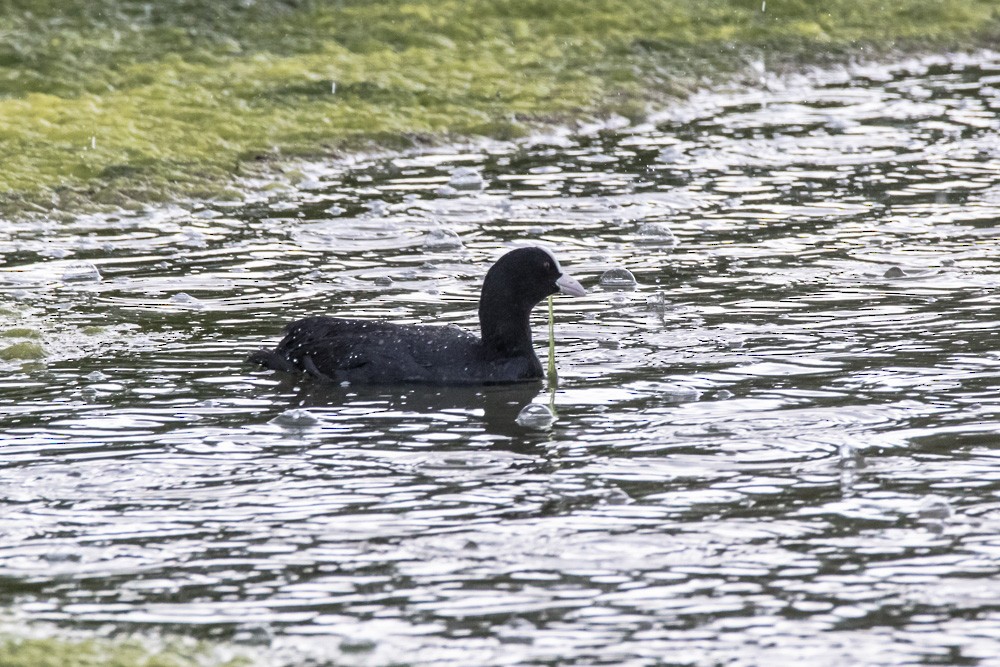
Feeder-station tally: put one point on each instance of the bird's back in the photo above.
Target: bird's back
(372, 352)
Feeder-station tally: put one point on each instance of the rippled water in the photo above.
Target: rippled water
(780, 446)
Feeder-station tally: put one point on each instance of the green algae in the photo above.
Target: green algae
(20, 332)
(121, 102)
(54, 652)
(22, 350)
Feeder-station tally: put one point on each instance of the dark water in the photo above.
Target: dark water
(781, 446)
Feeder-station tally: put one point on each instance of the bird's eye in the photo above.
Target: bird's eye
(547, 265)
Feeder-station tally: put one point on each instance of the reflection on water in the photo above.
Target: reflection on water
(777, 442)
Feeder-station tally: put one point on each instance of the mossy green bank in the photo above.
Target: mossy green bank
(121, 102)
(50, 652)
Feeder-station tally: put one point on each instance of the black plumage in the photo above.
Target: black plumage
(377, 352)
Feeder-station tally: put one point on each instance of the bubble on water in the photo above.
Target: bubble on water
(669, 154)
(618, 278)
(598, 158)
(677, 393)
(895, 272)
(936, 508)
(618, 299)
(839, 123)
(655, 233)
(440, 239)
(383, 281)
(193, 239)
(80, 272)
(446, 191)
(295, 419)
(63, 556)
(724, 394)
(261, 634)
(466, 178)
(95, 376)
(536, 416)
(283, 206)
(615, 496)
(357, 645)
(185, 299)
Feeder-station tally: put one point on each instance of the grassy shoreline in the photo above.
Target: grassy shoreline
(125, 102)
(136, 651)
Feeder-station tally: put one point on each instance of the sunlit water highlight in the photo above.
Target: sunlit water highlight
(779, 444)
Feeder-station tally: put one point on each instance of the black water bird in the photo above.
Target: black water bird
(376, 352)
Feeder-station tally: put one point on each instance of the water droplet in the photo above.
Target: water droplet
(536, 416)
(848, 456)
(658, 303)
(96, 376)
(383, 281)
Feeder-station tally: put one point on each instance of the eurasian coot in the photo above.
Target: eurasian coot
(376, 352)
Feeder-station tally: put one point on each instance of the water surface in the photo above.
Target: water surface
(781, 445)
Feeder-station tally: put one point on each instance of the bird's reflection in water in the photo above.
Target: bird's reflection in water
(494, 408)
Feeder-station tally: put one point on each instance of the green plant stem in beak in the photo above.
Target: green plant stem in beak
(553, 377)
